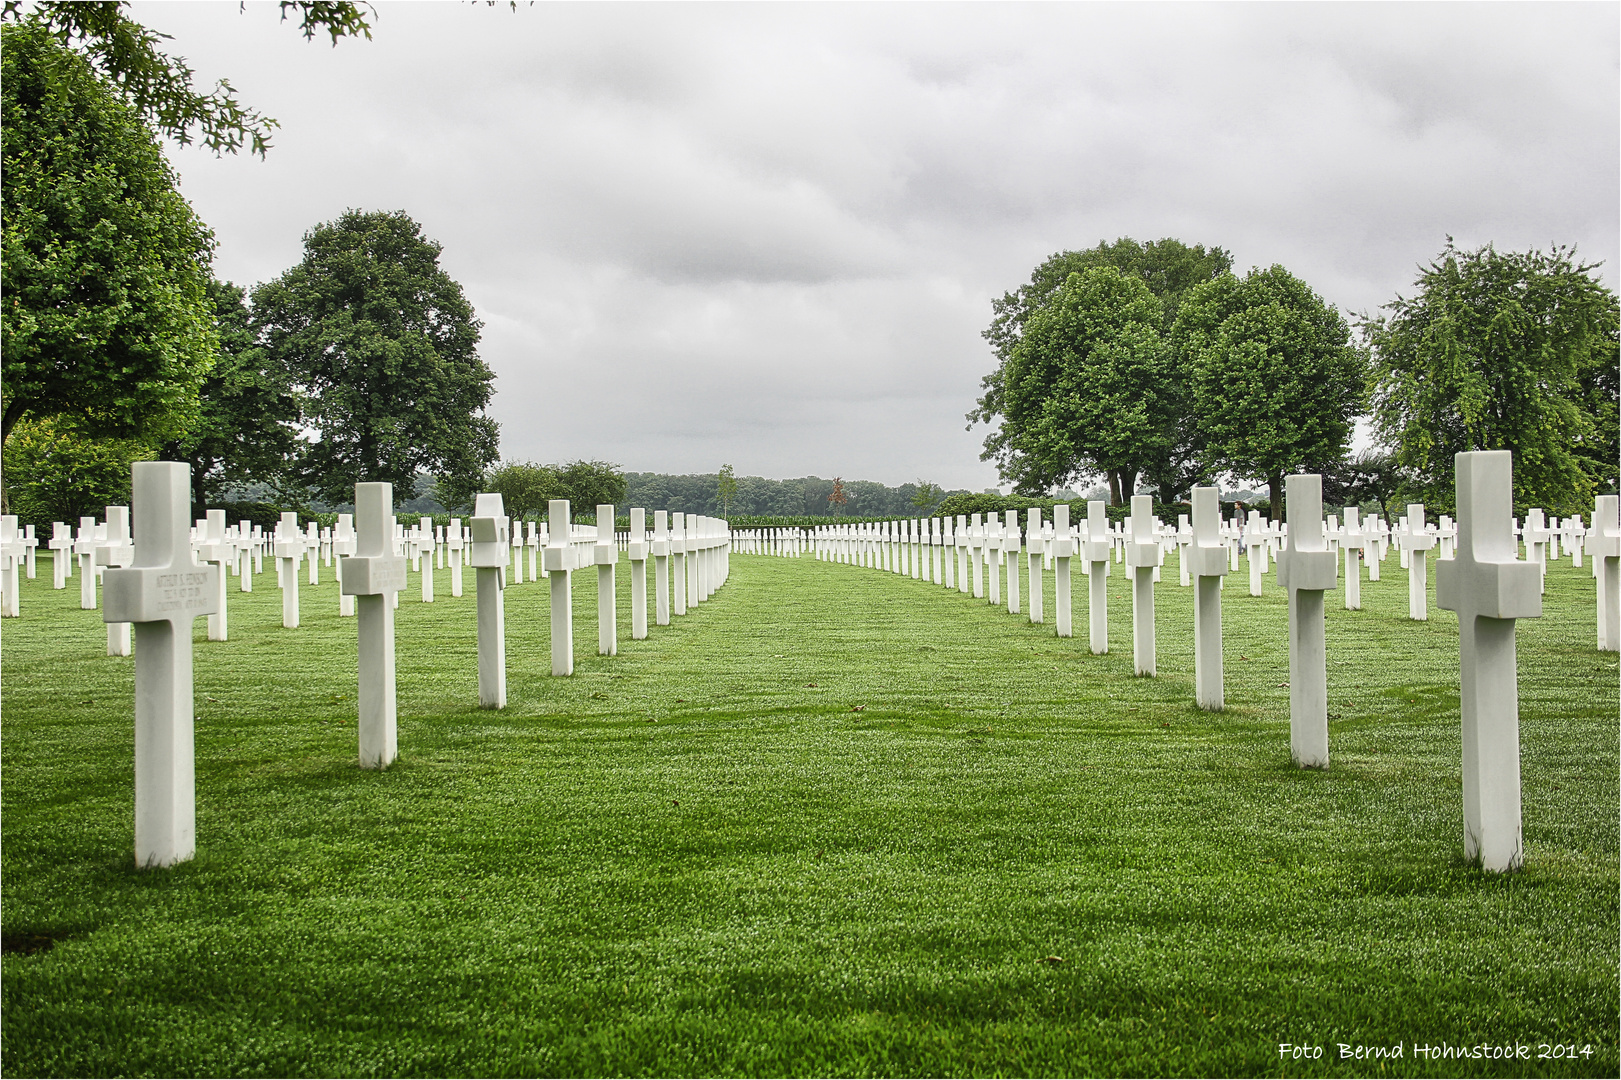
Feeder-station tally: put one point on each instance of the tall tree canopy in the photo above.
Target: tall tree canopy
(159, 87)
(1276, 383)
(383, 346)
(246, 428)
(1502, 351)
(1088, 388)
(106, 322)
(1169, 268)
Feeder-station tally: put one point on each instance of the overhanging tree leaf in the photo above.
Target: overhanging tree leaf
(106, 320)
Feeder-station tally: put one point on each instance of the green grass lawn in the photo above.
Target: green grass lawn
(833, 822)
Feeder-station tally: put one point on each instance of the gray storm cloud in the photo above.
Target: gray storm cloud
(770, 234)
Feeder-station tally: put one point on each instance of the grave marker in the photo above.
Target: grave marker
(1351, 542)
(1207, 565)
(1032, 544)
(1010, 548)
(560, 565)
(1489, 588)
(1306, 569)
(607, 559)
(1063, 550)
(424, 549)
(1604, 545)
(217, 549)
(1098, 546)
(11, 559)
(374, 576)
(1142, 556)
(161, 592)
(61, 545)
(85, 549)
(661, 568)
(289, 548)
(454, 545)
(117, 549)
(488, 557)
(637, 550)
(1415, 544)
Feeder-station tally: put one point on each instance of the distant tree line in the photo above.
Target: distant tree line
(757, 496)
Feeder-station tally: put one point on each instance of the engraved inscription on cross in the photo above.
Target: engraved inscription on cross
(161, 592)
(1489, 587)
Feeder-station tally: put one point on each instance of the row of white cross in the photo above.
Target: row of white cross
(1481, 577)
(171, 573)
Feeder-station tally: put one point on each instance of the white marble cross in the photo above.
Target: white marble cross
(61, 545)
(1010, 551)
(30, 549)
(244, 555)
(560, 565)
(1604, 545)
(1032, 547)
(1574, 532)
(1063, 551)
(161, 592)
(606, 557)
(1207, 565)
(344, 544)
(424, 549)
(1142, 557)
(453, 555)
(11, 560)
(637, 550)
(1416, 542)
(1537, 537)
(660, 550)
(1489, 588)
(1254, 543)
(488, 558)
(289, 549)
(220, 551)
(1306, 569)
(84, 549)
(312, 551)
(1098, 544)
(117, 549)
(374, 576)
(1352, 541)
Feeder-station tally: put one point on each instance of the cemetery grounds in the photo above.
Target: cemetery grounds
(835, 821)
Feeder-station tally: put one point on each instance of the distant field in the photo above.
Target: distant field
(834, 822)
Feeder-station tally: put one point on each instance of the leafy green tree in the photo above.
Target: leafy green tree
(1169, 268)
(1501, 351)
(246, 429)
(1276, 383)
(1089, 388)
(55, 474)
(159, 87)
(926, 497)
(525, 488)
(589, 484)
(726, 488)
(106, 322)
(383, 347)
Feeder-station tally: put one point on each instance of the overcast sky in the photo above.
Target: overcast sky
(769, 234)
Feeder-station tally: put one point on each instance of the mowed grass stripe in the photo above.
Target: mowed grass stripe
(687, 859)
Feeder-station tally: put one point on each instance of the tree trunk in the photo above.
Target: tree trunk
(1114, 487)
(1274, 486)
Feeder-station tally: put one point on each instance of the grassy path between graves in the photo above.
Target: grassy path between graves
(835, 822)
